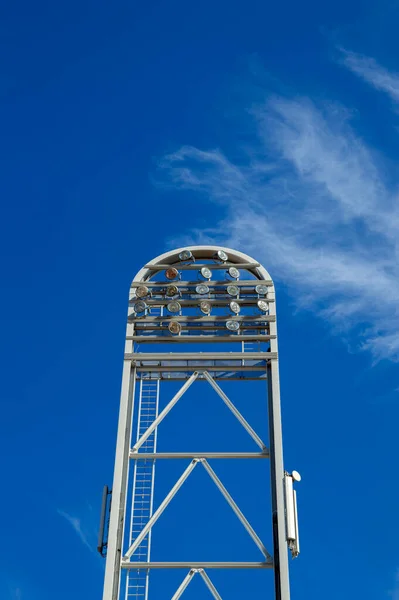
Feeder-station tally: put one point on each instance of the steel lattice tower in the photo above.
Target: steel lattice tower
(197, 295)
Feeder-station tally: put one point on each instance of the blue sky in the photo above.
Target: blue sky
(130, 128)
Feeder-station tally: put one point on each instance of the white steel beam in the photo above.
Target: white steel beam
(119, 486)
(196, 565)
(173, 455)
(210, 585)
(184, 584)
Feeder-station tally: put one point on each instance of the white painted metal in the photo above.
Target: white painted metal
(160, 509)
(187, 580)
(137, 583)
(147, 528)
(235, 412)
(239, 365)
(184, 584)
(163, 414)
(210, 585)
(289, 508)
(196, 565)
(237, 511)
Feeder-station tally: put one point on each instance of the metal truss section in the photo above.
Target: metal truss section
(174, 491)
(187, 580)
(194, 297)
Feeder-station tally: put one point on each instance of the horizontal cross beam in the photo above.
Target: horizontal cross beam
(191, 455)
(196, 565)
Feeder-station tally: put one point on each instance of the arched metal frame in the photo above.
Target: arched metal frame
(136, 363)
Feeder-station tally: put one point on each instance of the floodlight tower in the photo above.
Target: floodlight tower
(196, 295)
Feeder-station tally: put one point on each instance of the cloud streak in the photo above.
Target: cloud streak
(370, 71)
(77, 527)
(309, 201)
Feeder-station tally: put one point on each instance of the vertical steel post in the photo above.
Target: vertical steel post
(281, 573)
(119, 487)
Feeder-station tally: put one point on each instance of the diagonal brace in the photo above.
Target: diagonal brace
(210, 585)
(161, 508)
(235, 412)
(165, 411)
(236, 510)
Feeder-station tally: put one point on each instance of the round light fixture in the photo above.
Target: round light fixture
(232, 325)
(234, 273)
(171, 273)
(202, 289)
(206, 273)
(263, 305)
(142, 291)
(233, 290)
(174, 306)
(186, 255)
(140, 306)
(171, 291)
(296, 476)
(205, 307)
(221, 255)
(174, 327)
(234, 307)
(261, 290)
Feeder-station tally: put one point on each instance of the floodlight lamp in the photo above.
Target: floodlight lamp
(202, 289)
(171, 273)
(261, 290)
(206, 273)
(174, 306)
(221, 255)
(142, 291)
(174, 327)
(171, 291)
(233, 290)
(263, 305)
(234, 273)
(296, 476)
(234, 307)
(205, 307)
(186, 255)
(140, 307)
(232, 325)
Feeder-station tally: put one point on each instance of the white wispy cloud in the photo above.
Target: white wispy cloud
(394, 594)
(77, 527)
(368, 69)
(308, 200)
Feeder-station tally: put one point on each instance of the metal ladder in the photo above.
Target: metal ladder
(143, 489)
(249, 347)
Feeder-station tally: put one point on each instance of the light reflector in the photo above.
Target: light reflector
(205, 307)
(142, 291)
(202, 289)
(174, 327)
(234, 273)
(171, 291)
(206, 273)
(221, 255)
(171, 273)
(233, 290)
(234, 307)
(232, 325)
(140, 306)
(186, 255)
(174, 306)
(261, 290)
(263, 305)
